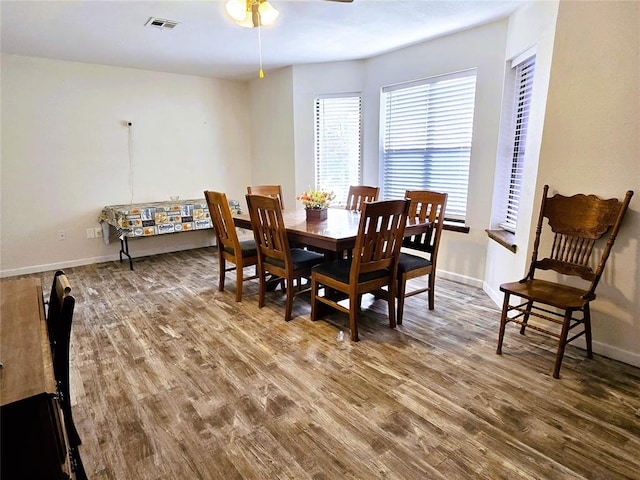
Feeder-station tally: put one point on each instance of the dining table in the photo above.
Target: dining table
(336, 233)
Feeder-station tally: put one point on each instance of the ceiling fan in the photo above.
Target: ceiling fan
(255, 13)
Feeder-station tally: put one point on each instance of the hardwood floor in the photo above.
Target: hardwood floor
(172, 379)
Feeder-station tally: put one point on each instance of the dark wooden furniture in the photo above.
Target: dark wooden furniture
(358, 194)
(275, 257)
(59, 319)
(373, 265)
(334, 235)
(34, 442)
(428, 207)
(269, 191)
(573, 226)
(230, 249)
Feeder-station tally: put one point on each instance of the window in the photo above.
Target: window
(519, 122)
(427, 130)
(338, 143)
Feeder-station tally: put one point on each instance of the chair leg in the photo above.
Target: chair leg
(562, 343)
(503, 322)
(239, 282)
(432, 285)
(400, 294)
(391, 300)
(586, 312)
(353, 317)
(261, 289)
(289, 301)
(222, 267)
(314, 298)
(525, 319)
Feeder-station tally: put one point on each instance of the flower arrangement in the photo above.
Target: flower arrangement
(316, 199)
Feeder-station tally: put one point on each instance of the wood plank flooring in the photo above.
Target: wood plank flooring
(172, 379)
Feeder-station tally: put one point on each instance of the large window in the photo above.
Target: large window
(338, 128)
(519, 121)
(426, 134)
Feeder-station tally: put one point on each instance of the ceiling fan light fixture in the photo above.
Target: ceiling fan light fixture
(251, 13)
(268, 13)
(237, 9)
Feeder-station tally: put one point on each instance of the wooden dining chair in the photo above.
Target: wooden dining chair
(358, 194)
(429, 207)
(241, 254)
(275, 257)
(59, 318)
(268, 190)
(372, 266)
(573, 226)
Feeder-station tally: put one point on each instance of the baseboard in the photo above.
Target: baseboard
(456, 277)
(47, 267)
(609, 351)
(495, 295)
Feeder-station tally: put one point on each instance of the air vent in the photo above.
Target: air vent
(161, 23)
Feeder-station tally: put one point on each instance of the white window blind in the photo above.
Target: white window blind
(338, 129)
(427, 133)
(524, 72)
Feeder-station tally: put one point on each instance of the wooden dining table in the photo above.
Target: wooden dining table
(335, 234)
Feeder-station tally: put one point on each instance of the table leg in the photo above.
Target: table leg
(124, 250)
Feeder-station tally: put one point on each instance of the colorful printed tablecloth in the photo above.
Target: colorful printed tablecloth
(157, 218)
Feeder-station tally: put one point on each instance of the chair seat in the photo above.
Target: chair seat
(554, 294)
(248, 248)
(300, 257)
(408, 262)
(341, 269)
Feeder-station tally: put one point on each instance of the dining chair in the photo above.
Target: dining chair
(429, 207)
(372, 266)
(268, 190)
(574, 225)
(59, 318)
(358, 194)
(230, 249)
(275, 257)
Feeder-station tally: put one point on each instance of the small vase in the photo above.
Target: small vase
(316, 214)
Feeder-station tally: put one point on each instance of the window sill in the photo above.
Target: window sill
(504, 238)
(455, 227)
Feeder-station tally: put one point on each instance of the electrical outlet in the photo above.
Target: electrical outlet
(90, 233)
(98, 232)
(62, 235)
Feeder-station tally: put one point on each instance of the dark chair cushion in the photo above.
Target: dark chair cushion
(408, 262)
(248, 248)
(300, 257)
(340, 270)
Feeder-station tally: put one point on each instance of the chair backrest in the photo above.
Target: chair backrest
(268, 229)
(59, 319)
(379, 237)
(427, 206)
(225, 231)
(269, 191)
(572, 228)
(358, 194)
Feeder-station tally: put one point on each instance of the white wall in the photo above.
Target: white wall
(270, 133)
(65, 154)
(591, 144)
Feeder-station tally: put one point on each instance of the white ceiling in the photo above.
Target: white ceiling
(206, 42)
